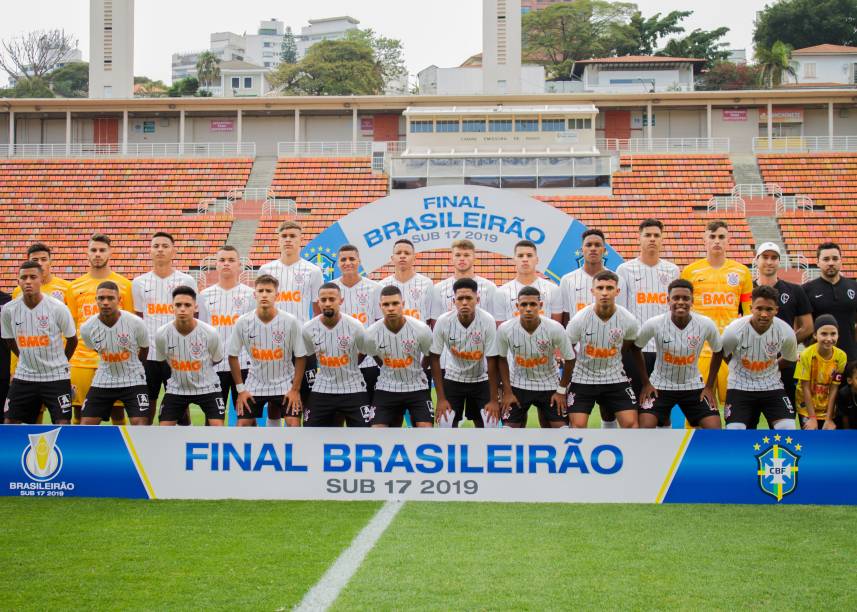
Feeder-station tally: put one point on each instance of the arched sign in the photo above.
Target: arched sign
(433, 217)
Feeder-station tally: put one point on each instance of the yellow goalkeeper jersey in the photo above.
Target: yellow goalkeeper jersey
(719, 293)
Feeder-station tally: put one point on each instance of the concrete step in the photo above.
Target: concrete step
(242, 233)
(766, 229)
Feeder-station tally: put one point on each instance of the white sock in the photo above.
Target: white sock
(274, 423)
(736, 426)
(609, 425)
(785, 424)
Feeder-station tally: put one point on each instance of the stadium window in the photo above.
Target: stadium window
(553, 125)
(448, 125)
(473, 125)
(526, 125)
(500, 125)
(236, 82)
(421, 127)
(248, 82)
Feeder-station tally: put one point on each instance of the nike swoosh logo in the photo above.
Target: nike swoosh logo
(213, 303)
(588, 333)
(744, 348)
(516, 346)
(667, 341)
(818, 296)
(147, 290)
(19, 322)
(318, 343)
(637, 280)
(252, 337)
(380, 346)
(169, 348)
(578, 289)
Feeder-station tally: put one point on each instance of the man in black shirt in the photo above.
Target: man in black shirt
(5, 361)
(835, 295)
(794, 306)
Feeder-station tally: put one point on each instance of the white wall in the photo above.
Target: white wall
(266, 132)
(740, 133)
(119, 78)
(815, 122)
(828, 69)
(599, 80)
(501, 47)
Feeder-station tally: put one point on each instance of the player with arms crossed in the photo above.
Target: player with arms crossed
(272, 338)
(526, 347)
(466, 336)
(603, 331)
(400, 344)
(526, 259)
(34, 326)
(678, 337)
(191, 349)
(357, 295)
(759, 345)
(220, 306)
(121, 342)
(338, 342)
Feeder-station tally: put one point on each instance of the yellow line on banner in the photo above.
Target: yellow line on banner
(140, 469)
(662, 493)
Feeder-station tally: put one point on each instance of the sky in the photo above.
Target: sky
(440, 32)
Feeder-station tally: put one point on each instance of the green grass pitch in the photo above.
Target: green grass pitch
(139, 555)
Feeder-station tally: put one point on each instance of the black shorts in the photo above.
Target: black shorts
(747, 406)
(99, 402)
(324, 409)
(227, 385)
(257, 407)
(614, 397)
(175, 406)
(689, 402)
(309, 376)
(467, 399)
(370, 377)
(389, 407)
(26, 398)
(630, 366)
(526, 398)
(789, 382)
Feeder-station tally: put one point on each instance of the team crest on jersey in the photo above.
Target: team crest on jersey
(544, 345)
(196, 348)
(851, 294)
(279, 336)
(43, 321)
(772, 347)
(124, 340)
(238, 302)
(664, 278)
(299, 278)
(408, 345)
(784, 298)
(615, 335)
(415, 293)
(475, 337)
(732, 279)
(362, 297)
(344, 342)
(693, 342)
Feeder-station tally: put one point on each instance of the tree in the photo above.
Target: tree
(207, 68)
(332, 68)
(702, 44)
(184, 87)
(29, 87)
(71, 81)
(562, 33)
(144, 87)
(775, 62)
(388, 54)
(640, 35)
(289, 47)
(804, 23)
(726, 76)
(35, 53)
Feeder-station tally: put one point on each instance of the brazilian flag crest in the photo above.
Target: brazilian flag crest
(777, 470)
(324, 258)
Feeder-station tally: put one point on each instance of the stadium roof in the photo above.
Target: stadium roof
(500, 109)
(826, 50)
(641, 59)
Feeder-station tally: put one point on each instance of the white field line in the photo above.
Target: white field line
(330, 585)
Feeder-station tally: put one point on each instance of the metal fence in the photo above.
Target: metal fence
(727, 203)
(663, 145)
(795, 202)
(145, 149)
(804, 144)
(757, 190)
(453, 167)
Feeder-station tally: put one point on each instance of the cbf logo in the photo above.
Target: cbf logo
(42, 458)
(777, 466)
(324, 258)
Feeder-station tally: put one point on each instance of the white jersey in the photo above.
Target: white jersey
(575, 290)
(506, 306)
(39, 333)
(466, 347)
(531, 356)
(755, 365)
(418, 294)
(118, 362)
(153, 297)
(271, 346)
(220, 308)
(191, 358)
(646, 294)
(486, 290)
(678, 350)
(401, 355)
(357, 302)
(299, 285)
(337, 351)
(599, 355)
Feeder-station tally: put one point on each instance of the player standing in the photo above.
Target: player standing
(646, 279)
(678, 337)
(52, 285)
(819, 373)
(466, 335)
(417, 291)
(299, 281)
(526, 347)
(34, 326)
(338, 342)
(192, 348)
(463, 266)
(220, 306)
(526, 259)
(357, 295)
(272, 337)
(834, 294)
(721, 287)
(5, 356)
(604, 330)
(83, 303)
(400, 344)
(121, 341)
(153, 302)
(758, 344)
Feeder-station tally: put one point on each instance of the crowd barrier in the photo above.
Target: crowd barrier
(531, 465)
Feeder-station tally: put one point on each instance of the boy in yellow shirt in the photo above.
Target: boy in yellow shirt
(819, 373)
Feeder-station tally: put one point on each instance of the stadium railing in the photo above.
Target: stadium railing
(726, 203)
(340, 149)
(757, 190)
(147, 149)
(795, 202)
(423, 167)
(663, 145)
(804, 144)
